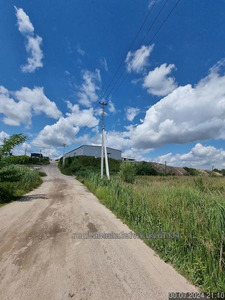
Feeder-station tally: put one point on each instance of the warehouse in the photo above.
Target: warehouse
(95, 151)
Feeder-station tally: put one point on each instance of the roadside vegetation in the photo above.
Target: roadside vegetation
(16, 179)
(83, 165)
(191, 206)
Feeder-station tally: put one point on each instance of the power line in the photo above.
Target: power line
(114, 88)
(156, 18)
(130, 47)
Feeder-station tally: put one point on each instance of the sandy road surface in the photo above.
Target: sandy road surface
(39, 259)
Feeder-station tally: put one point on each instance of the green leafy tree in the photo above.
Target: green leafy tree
(11, 143)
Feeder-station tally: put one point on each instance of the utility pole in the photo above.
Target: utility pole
(104, 148)
(165, 168)
(25, 151)
(64, 145)
(212, 170)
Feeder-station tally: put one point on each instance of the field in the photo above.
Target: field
(193, 207)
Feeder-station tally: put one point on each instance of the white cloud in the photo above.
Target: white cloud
(3, 136)
(52, 152)
(64, 131)
(24, 24)
(33, 43)
(185, 115)
(33, 47)
(136, 61)
(201, 157)
(88, 91)
(104, 64)
(17, 107)
(22, 149)
(137, 154)
(111, 106)
(158, 83)
(131, 113)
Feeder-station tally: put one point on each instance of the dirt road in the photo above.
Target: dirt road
(41, 260)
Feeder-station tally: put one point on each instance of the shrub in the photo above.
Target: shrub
(11, 173)
(127, 172)
(81, 164)
(23, 160)
(145, 169)
(15, 181)
(42, 174)
(191, 171)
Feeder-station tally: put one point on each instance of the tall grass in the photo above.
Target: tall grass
(15, 181)
(194, 208)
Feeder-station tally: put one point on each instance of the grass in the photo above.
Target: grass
(194, 207)
(15, 181)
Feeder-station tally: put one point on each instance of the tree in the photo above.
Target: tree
(12, 142)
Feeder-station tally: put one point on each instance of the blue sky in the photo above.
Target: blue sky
(58, 57)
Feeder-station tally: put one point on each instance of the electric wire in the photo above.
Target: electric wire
(114, 88)
(130, 47)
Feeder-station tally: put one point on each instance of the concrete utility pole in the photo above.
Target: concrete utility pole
(64, 146)
(104, 148)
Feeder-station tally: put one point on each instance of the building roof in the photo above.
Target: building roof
(91, 146)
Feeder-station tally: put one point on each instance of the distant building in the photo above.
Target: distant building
(128, 159)
(36, 155)
(95, 151)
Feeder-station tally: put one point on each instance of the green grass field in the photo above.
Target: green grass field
(194, 207)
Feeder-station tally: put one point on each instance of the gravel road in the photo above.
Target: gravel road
(41, 260)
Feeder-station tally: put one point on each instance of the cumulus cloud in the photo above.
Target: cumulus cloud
(18, 107)
(3, 136)
(131, 113)
(158, 82)
(200, 157)
(137, 154)
(23, 149)
(64, 131)
(33, 43)
(138, 60)
(88, 91)
(185, 115)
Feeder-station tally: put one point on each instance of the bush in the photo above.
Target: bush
(86, 164)
(145, 169)
(191, 171)
(23, 160)
(11, 173)
(127, 172)
(15, 181)
(42, 174)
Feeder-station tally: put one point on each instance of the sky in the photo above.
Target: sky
(165, 89)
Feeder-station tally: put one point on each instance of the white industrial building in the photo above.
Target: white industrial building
(95, 151)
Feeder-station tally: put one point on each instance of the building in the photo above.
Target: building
(128, 159)
(36, 155)
(95, 151)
